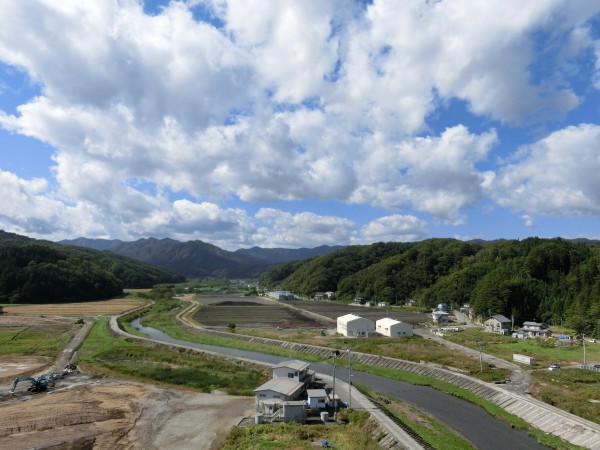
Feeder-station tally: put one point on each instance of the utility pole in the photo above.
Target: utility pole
(336, 353)
(480, 357)
(350, 377)
(583, 340)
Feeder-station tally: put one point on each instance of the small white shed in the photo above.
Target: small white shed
(294, 411)
(352, 325)
(317, 398)
(393, 328)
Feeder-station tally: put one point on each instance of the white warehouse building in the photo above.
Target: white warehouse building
(393, 328)
(352, 325)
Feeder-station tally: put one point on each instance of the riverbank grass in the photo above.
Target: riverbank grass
(124, 357)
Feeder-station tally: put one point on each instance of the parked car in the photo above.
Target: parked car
(554, 367)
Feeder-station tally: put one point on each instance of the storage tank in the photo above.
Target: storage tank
(324, 417)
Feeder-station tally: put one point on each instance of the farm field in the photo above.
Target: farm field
(105, 307)
(253, 312)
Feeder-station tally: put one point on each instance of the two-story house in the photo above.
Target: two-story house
(498, 324)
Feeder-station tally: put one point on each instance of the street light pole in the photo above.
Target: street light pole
(350, 377)
(480, 357)
(583, 340)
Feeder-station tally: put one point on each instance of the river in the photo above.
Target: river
(471, 421)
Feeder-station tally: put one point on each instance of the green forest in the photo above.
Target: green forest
(36, 271)
(550, 280)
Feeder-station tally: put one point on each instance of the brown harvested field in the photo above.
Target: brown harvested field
(101, 308)
(253, 312)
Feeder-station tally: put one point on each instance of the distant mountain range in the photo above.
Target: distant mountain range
(38, 271)
(197, 259)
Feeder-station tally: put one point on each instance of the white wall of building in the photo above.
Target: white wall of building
(351, 325)
(393, 328)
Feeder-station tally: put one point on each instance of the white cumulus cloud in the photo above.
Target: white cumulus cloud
(557, 175)
(157, 121)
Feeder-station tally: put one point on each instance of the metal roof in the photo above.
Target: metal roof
(316, 393)
(295, 364)
(352, 317)
(500, 318)
(387, 321)
(285, 386)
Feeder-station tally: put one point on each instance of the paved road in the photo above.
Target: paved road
(473, 422)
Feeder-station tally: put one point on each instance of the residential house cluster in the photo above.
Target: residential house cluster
(531, 330)
(503, 325)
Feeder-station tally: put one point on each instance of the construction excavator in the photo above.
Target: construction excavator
(41, 383)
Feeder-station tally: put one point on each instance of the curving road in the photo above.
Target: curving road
(473, 422)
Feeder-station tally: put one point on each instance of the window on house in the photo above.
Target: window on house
(290, 375)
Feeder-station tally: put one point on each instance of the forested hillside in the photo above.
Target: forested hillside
(34, 271)
(543, 279)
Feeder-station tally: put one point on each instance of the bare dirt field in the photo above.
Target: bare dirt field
(12, 366)
(106, 307)
(85, 413)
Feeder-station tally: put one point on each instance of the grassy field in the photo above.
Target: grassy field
(105, 307)
(355, 435)
(36, 340)
(545, 352)
(118, 356)
(574, 390)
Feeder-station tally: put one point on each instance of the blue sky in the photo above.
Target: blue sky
(281, 123)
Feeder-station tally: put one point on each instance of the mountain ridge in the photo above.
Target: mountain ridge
(199, 259)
